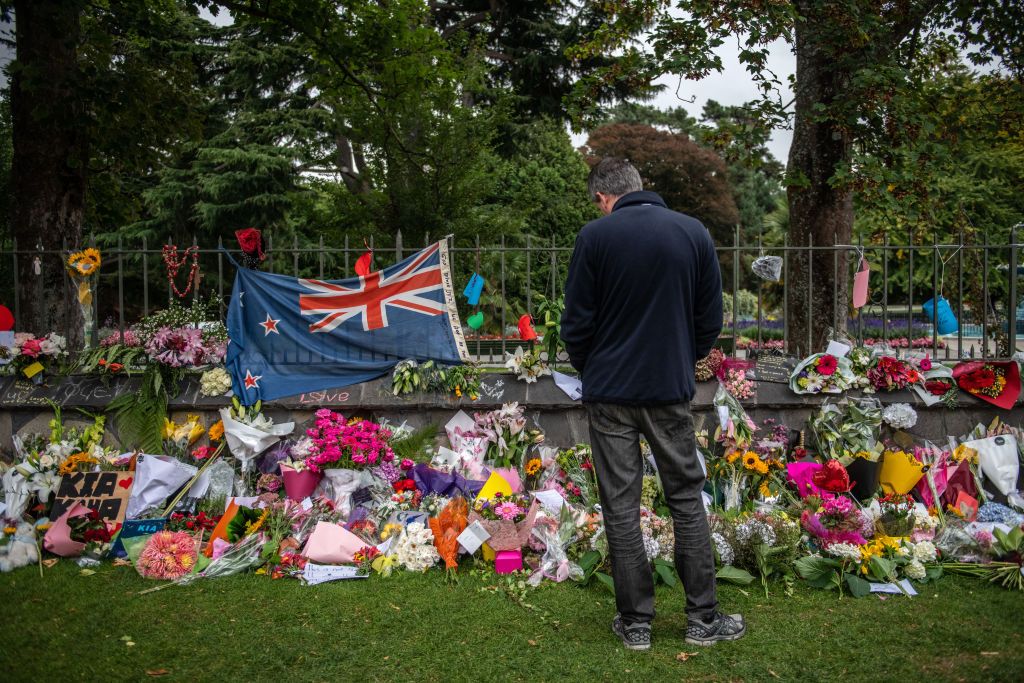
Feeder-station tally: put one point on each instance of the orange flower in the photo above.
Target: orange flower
(446, 527)
(216, 431)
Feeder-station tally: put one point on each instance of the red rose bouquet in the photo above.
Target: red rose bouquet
(997, 383)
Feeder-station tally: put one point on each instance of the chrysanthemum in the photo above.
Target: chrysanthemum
(168, 555)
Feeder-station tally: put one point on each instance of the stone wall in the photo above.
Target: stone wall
(26, 408)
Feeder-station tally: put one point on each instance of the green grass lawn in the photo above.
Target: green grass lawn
(413, 627)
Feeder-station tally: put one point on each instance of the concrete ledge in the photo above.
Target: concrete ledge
(25, 407)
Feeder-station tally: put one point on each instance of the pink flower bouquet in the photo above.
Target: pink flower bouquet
(506, 519)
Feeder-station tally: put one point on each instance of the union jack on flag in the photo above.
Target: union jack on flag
(292, 335)
(403, 288)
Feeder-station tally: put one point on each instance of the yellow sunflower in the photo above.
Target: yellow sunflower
(751, 461)
(85, 263)
(533, 467)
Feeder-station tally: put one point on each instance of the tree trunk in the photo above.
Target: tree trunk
(49, 163)
(819, 214)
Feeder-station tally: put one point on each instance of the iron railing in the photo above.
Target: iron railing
(978, 279)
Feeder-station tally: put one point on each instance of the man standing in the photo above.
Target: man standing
(643, 302)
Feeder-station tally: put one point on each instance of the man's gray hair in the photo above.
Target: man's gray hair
(613, 177)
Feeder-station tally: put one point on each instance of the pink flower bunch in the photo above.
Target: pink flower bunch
(837, 521)
(764, 345)
(508, 510)
(737, 384)
(128, 339)
(904, 343)
(168, 555)
(179, 347)
(357, 444)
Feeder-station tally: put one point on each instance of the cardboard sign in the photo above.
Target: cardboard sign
(105, 492)
(774, 368)
(133, 528)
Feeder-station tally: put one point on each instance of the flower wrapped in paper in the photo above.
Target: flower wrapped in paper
(851, 426)
(822, 373)
(900, 471)
(249, 432)
(996, 383)
(506, 519)
(555, 563)
(999, 462)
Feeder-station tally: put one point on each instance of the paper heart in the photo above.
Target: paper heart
(476, 320)
(126, 483)
(526, 331)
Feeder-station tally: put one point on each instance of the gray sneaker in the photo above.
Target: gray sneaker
(721, 627)
(634, 636)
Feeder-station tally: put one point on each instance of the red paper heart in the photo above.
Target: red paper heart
(126, 483)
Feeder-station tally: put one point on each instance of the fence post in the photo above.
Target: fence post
(145, 277)
(785, 294)
(735, 286)
(529, 303)
(17, 295)
(398, 246)
(810, 295)
(984, 298)
(1012, 309)
(910, 291)
(220, 275)
(120, 287)
(935, 294)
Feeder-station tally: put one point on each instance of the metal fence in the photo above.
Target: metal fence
(978, 279)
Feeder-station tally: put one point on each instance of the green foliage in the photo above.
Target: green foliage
(140, 416)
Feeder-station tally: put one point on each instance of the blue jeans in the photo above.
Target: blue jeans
(615, 438)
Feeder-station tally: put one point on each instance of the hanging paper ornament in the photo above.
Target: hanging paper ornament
(768, 268)
(947, 322)
(526, 331)
(474, 289)
(860, 284)
(476, 320)
(250, 240)
(364, 263)
(6, 319)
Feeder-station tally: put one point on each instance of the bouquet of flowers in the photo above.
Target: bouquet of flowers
(526, 365)
(576, 481)
(183, 347)
(508, 519)
(834, 519)
(446, 527)
(996, 383)
(892, 374)
(659, 539)
(707, 367)
(249, 432)
(896, 515)
(178, 438)
(556, 539)
(168, 555)
(822, 373)
(415, 549)
(861, 360)
(735, 429)
(356, 444)
(215, 382)
(29, 355)
(505, 433)
(844, 429)
(93, 533)
(764, 544)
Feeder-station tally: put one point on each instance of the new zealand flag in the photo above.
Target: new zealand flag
(292, 335)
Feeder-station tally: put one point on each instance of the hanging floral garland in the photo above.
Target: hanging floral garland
(174, 264)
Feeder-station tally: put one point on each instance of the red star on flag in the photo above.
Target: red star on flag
(270, 325)
(252, 381)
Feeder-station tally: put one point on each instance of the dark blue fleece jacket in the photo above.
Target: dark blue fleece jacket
(643, 303)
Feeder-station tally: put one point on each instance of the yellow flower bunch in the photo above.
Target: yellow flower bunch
(752, 461)
(733, 457)
(190, 430)
(74, 461)
(389, 530)
(255, 526)
(533, 466)
(962, 452)
(85, 263)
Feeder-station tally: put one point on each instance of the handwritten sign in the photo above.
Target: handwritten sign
(774, 368)
(326, 398)
(105, 492)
